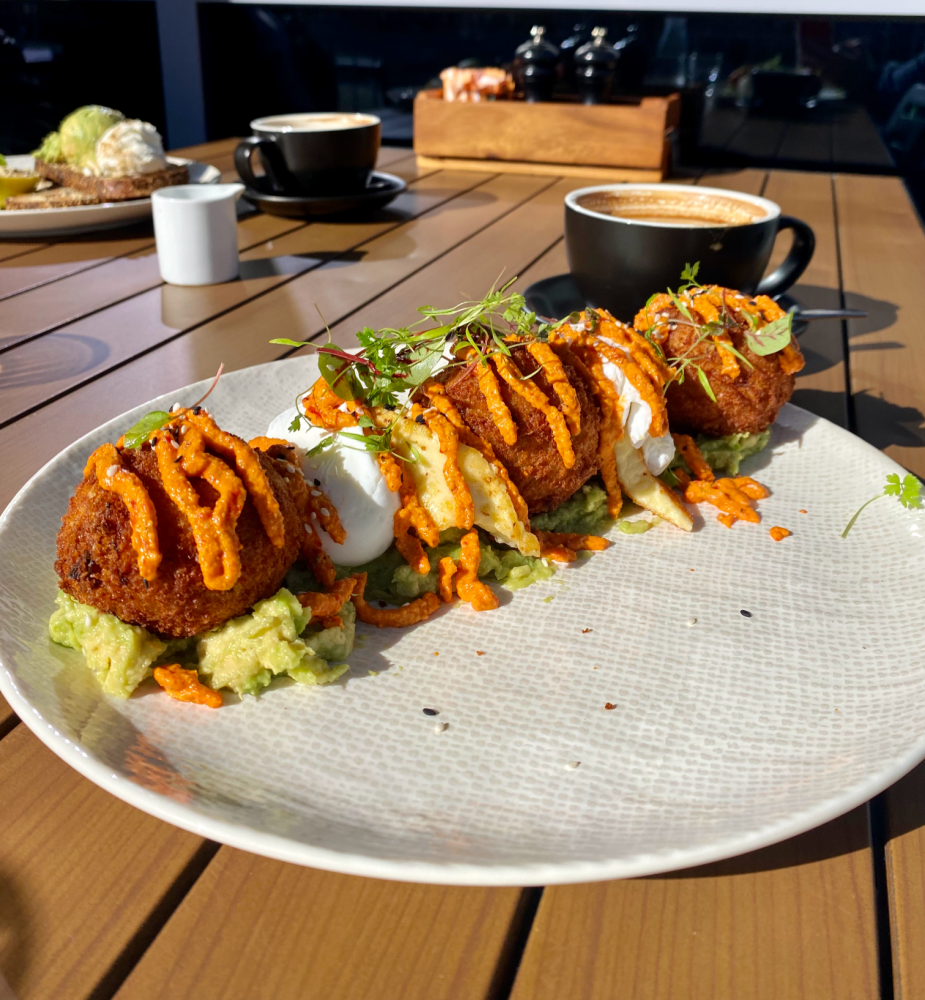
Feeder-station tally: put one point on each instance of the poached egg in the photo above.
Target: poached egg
(350, 478)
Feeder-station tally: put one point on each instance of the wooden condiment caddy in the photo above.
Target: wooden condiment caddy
(620, 142)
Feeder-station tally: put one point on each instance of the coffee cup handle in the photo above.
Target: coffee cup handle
(273, 162)
(795, 263)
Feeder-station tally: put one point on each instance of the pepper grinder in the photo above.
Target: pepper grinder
(535, 65)
(595, 67)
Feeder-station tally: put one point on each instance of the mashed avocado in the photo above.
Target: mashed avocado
(723, 455)
(75, 141)
(584, 513)
(50, 150)
(244, 654)
(390, 578)
(120, 655)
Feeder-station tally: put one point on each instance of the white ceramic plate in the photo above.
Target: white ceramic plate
(42, 222)
(727, 735)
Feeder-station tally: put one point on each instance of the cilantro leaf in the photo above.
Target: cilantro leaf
(136, 436)
(689, 274)
(320, 446)
(296, 422)
(908, 492)
(771, 338)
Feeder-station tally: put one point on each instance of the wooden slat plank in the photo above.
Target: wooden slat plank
(97, 342)
(197, 354)
(905, 867)
(498, 253)
(821, 386)
(333, 936)
(58, 260)
(202, 151)
(34, 312)
(791, 921)
(80, 872)
(17, 248)
(6, 715)
(883, 260)
(748, 181)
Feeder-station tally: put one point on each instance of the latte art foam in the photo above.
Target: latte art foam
(322, 122)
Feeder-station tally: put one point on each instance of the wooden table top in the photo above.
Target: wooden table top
(99, 900)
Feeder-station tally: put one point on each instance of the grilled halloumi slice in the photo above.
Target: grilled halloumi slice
(647, 490)
(494, 510)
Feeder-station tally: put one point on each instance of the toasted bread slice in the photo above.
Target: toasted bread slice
(59, 197)
(113, 188)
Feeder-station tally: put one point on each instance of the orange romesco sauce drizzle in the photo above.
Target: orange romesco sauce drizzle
(731, 496)
(591, 369)
(706, 304)
(446, 434)
(537, 398)
(141, 512)
(468, 585)
(497, 408)
(544, 355)
(184, 685)
(436, 392)
(691, 455)
(445, 573)
(779, 534)
(213, 529)
(416, 611)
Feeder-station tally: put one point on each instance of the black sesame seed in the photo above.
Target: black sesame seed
(317, 482)
(430, 711)
(745, 614)
(419, 419)
(197, 410)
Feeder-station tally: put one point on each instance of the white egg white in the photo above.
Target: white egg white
(351, 480)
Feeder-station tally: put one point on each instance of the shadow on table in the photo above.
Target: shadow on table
(14, 936)
(844, 835)
(67, 355)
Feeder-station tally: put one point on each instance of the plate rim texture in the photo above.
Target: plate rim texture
(281, 848)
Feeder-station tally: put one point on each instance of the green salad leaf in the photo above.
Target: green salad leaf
(136, 436)
(907, 491)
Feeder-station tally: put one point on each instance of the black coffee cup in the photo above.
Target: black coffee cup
(320, 153)
(619, 260)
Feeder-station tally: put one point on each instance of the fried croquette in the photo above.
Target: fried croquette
(97, 565)
(533, 461)
(745, 404)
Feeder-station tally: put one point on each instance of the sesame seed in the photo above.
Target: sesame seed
(325, 512)
(175, 407)
(173, 444)
(430, 711)
(691, 621)
(745, 614)
(183, 428)
(441, 727)
(316, 493)
(88, 621)
(289, 468)
(111, 471)
(307, 527)
(572, 764)
(317, 482)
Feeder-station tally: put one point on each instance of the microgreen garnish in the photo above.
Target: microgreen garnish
(136, 435)
(773, 337)
(141, 432)
(395, 360)
(908, 492)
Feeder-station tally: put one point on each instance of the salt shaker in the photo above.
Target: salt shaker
(595, 66)
(535, 63)
(196, 230)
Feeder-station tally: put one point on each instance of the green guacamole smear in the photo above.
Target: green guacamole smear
(389, 578)
(244, 654)
(724, 455)
(75, 141)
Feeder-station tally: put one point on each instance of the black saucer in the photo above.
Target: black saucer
(380, 190)
(556, 297)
